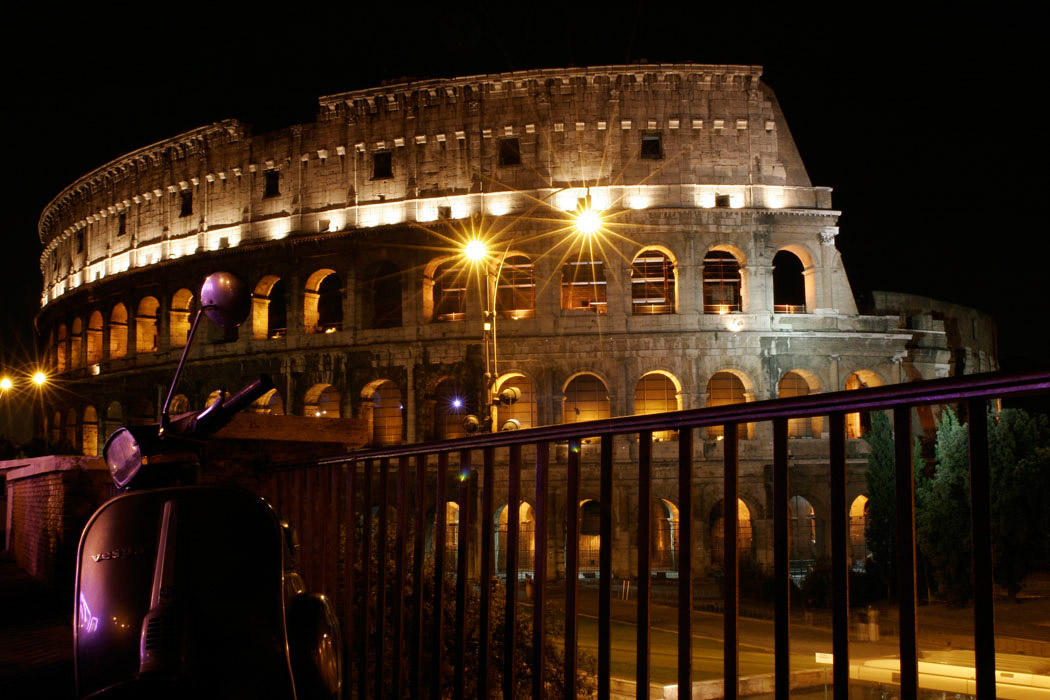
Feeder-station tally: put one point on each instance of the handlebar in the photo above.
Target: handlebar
(214, 417)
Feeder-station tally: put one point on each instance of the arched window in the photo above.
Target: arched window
(321, 401)
(179, 318)
(383, 297)
(590, 535)
(453, 402)
(721, 283)
(586, 398)
(583, 284)
(858, 526)
(744, 536)
(526, 540)
(858, 424)
(146, 325)
(94, 338)
(794, 384)
(179, 405)
(656, 393)
(76, 343)
(118, 332)
(61, 348)
(383, 411)
(451, 534)
(269, 404)
(269, 309)
(89, 432)
(724, 389)
(516, 291)
(789, 287)
(323, 303)
(56, 428)
(214, 396)
(71, 427)
(450, 291)
(665, 536)
(803, 528)
(114, 418)
(524, 410)
(652, 284)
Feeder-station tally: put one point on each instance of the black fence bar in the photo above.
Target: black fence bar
(384, 482)
(838, 523)
(463, 542)
(398, 622)
(510, 621)
(349, 619)
(781, 562)
(440, 525)
(730, 523)
(539, 568)
(980, 533)
(572, 564)
(605, 567)
(645, 507)
(685, 563)
(906, 562)
(366, 578)
(417, 570)
(485, 574)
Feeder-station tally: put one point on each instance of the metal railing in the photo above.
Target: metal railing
(377, 639)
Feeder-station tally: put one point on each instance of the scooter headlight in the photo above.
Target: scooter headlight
(123, 455)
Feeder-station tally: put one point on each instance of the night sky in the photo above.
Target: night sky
(926, 123)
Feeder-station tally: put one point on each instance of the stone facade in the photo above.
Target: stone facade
(350, 230)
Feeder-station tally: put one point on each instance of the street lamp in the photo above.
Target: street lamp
(6, 384)
(39, 378)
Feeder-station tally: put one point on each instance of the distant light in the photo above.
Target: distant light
(475, 250)
(96, 370)
(330, 329)
(6, 383)
(720, 438)
(457, 403)
(588, 222)
(39, 378)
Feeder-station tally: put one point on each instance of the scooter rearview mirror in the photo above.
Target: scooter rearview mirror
(225, 299)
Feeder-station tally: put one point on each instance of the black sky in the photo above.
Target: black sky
(927, 123)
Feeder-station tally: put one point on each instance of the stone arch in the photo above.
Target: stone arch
(445, 289)
(658, 391)
(590, 535)
(383, 409)
(452, 402)
(806, 532)
(270, 404)
(858, 424)
(61, 348)
(801, 382)
(526, 539)
(583, 283)
(726, 387)
(723, 280)
(791, 284)
(179, 404)
(321, 401)
(524, 410)
(71, 426)
(214, 396)
(142, 412)
(716, 529)
(269, 308)
(94, 338)
(452, 515)
(146, 325)
(382, 307)
(585, 397)
(665, 534)
(654, 288)
(516, 287)
(56, 428)
(323, 302)
(76, 339)
(118, 332)
(858, 526)
(179, 317)
(89, 432)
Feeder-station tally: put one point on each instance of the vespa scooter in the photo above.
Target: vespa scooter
(186, 590)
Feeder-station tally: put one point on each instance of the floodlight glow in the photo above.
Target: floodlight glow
(457, 403)
(588, 222)
(39, 378)
(475, 250)
(6, 383)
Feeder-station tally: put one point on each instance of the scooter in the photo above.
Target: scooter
(186, 590)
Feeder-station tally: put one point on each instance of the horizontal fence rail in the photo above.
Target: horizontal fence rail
(419, 590)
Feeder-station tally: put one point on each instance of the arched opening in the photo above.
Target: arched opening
(384, 412)
(146, 325)
(118, 332)
(804, 548)
(789, 285)
(590, 536)
(214, 396)
(179, 318)
(76, 343)
(56, 428)
(586, 398)
(451, 533)
(71, 427)
(383, 297)
(583, 284)
(94, 338)
(270, 309)
(858, 526)
(721, 283)
(61, 348)
(142, 412)
(516, 290)
(114, 418)
(655, 392)
(270, 404)
(724, 389)
(652, 284)
(89, 432)
(524, 410)
(449, 290)
(793, 384)
(321, 401)
(179, 405)
(858, 424)
(452, 403)
(744, 534)
(665, 536)
(526, 540)
(323, 303)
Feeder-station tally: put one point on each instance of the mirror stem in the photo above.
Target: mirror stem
(164, 418)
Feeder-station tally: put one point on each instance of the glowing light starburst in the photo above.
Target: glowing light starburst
(588, 222)
(6, 383)
(39, 378)
(475, 250)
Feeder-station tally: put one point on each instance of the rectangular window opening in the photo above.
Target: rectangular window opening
(509, 152)
(382, 165)
(272, 186)
(186, 206)
(651, 146)
(722, 200)
(122, 224)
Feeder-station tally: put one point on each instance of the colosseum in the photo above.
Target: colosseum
(610, 241)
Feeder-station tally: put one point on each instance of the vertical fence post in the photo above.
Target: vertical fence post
(605, 568)
(906, 584)
(349, 622)
(440, 524)
(384, 472)
(485, 576)
(572, 564)
(645, 505)
(460, 642)
(980, 534)
(510, 621)
(730, 518)
(417, 570)
(539, 569)
(366, 581)
(781, 561)
(839, 526)
(399, 575)
(685, 563)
